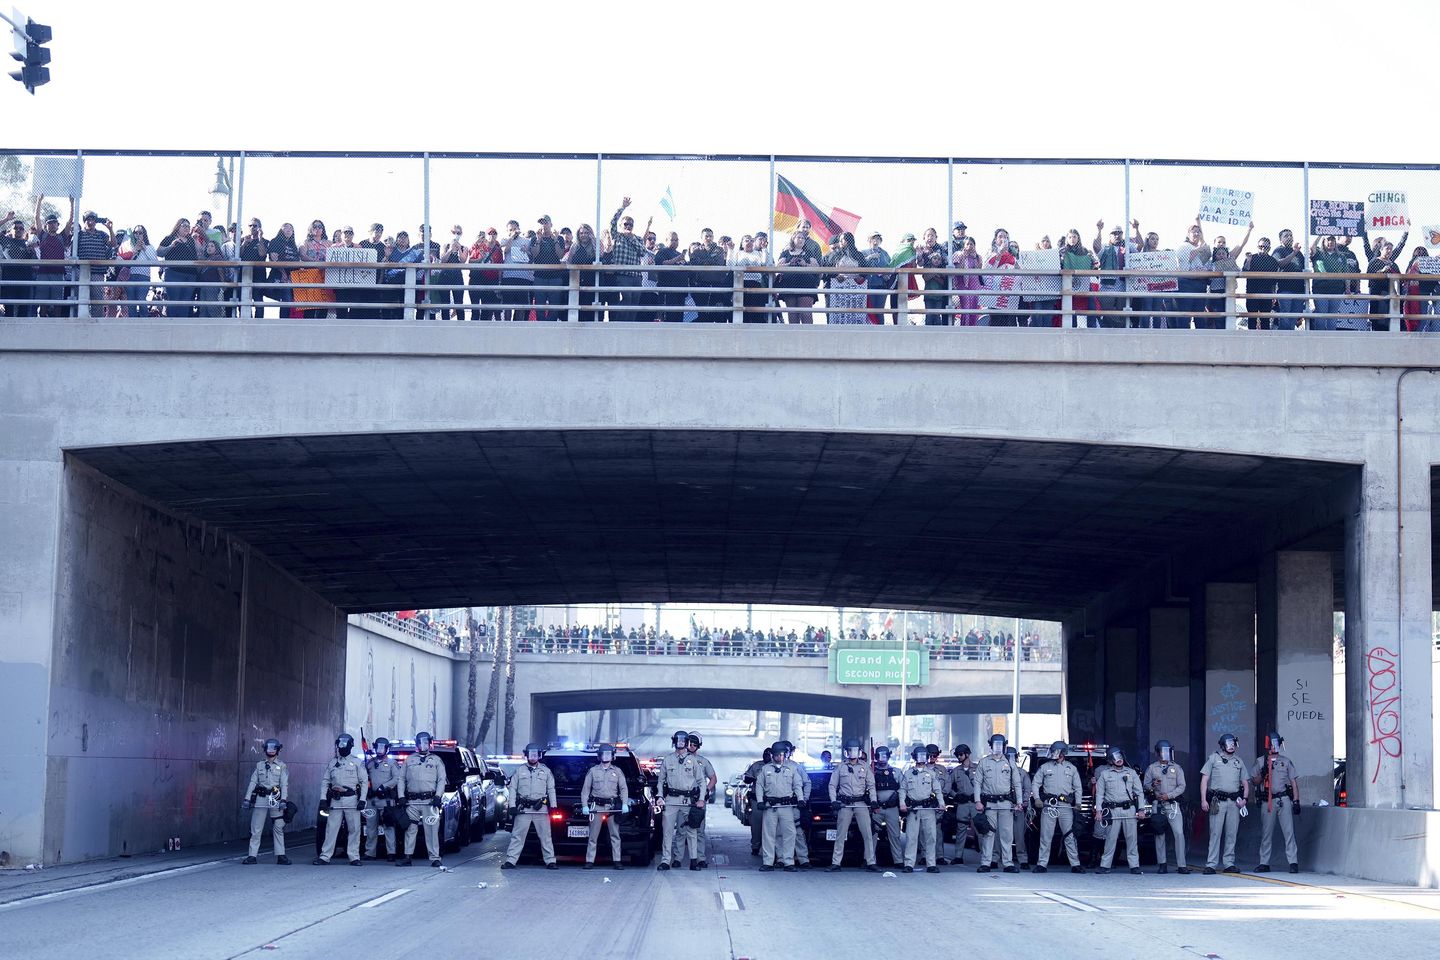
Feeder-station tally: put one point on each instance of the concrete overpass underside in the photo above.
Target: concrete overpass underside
(1011, 527)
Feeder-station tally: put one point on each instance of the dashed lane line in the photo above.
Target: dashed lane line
(1070, 902)
(111, 884)
(730, 900)
(385, 899)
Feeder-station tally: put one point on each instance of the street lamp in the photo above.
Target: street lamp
(220, 192)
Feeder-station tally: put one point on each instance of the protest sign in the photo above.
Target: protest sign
(1428, 264)
(1233, 208)
(1431, 236)
(1152, 260)
(58, 177)
(1006, 297)
(1040, 287)
(1387, 210)
(343, 276)
(1336, 218)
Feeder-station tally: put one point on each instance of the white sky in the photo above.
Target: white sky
(1045, 79)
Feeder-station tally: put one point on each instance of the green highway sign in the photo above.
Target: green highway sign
(878, 666)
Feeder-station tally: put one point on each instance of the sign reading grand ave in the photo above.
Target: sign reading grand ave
(879, 666)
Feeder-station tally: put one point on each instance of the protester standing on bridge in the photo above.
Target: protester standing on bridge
(852, 794)
(922, 794)
(681, 784)
(960, 789)
(1279, 788)
(801, 284)
(1112, 257)
(693, 742)
(266, 796)
(997, 782)
(604, 797)
(1382, 259)
(384, 794)
(533, 788)
(1057, 788)
(1224, 791)
(1165, 783)
(1117, 800)
(1222, 260)
(343, 790)
(16, 278)
(179, 250)
(778, 795)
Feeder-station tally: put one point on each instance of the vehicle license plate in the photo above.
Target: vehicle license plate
(830, 835)
(580, 832)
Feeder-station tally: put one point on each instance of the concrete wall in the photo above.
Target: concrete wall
(177, 652)
(396, 685)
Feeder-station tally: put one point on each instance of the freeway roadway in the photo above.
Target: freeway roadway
(203, 904)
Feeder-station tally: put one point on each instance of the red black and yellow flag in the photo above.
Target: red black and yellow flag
(792, 206)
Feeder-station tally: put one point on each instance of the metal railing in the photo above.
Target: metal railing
(685, 293)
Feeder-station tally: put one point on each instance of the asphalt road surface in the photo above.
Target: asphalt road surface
(204, 904)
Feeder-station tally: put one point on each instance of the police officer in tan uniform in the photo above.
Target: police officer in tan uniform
(887, 799)
(922, 796)
(1275, 778)
(778, 793)
(802, 844)
(384, 794)
(693, 742)
(604, 796)
(997, 783)
(422, 788)
(756, 821)
(681, 785)
(1118, 798)
(1022, 850)
(533, 788)
(344, 785)
(1165, 783)
(852, 793)
(960, 790)
(1057, 789)
(266, 794)
(1224, 790)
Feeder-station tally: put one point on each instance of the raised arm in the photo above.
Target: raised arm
(1098, 243)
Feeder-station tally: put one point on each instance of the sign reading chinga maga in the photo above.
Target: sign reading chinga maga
(879, 666)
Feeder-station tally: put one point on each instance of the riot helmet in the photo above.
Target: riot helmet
(606, 752)
(1011, 754)
(1164, 751)
(963, 750)
(422, 742)
(1115, 755)
(678, 739)
(789, 747)
(853, 748)
(273, 747)
(693, 741)
(882, 754)
(1273, 742)
(767, 755)
(1058, 750)
(779, 750)
(932, 751)
(918, 754)
(343, 744)
(533, 753)
(1228, 743)
(997, 743)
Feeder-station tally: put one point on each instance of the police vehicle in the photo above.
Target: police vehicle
(475, 799)
(570, 829)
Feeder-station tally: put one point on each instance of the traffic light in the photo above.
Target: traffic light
(30, 51)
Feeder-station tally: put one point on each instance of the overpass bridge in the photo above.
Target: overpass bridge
(191, 510)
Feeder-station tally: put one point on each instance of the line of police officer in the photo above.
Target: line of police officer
(385, 795)
(995, 796)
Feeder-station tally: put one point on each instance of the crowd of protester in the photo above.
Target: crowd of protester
(525, 274)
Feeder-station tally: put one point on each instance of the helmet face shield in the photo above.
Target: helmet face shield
(1115, 755)
(997, 745)
(1228, 743)
(606, 753)
(1164, 751)
(422, 742)
(882, 754)
(272, 747)
(679, 739)
(382, 746)
(344, 743)
(1058, 750)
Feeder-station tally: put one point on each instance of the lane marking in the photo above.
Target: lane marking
(112, 884)
(1336, 891)
(730, 901)
(1065, 901)
(385, 899)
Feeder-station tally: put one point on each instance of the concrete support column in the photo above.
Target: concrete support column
(1388, 645)
(1229, 616)
(879, 719)
(787, 727)
(1169, 707)
(29, 530)
(1294, 663)
(1121, 665)
(1081, 688)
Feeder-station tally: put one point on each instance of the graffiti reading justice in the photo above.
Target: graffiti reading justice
(1384, 706)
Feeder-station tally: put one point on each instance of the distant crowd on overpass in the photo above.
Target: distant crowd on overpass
(197, 268)
(976, 645)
